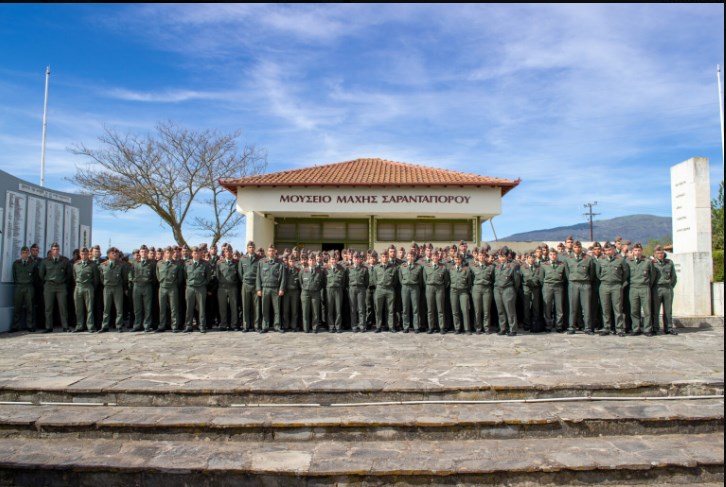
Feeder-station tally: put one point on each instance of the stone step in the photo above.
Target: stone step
(367, 423)
(614, 460)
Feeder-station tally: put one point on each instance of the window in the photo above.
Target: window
(424, 231)
(298, 231)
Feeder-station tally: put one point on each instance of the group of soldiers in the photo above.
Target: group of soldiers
(606, 289)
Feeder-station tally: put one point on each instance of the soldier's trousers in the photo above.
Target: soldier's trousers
(290, 302)
(662, 296)
(481, 296)
(250, 307)
(39, 306)
(169, 301)
(55, 293)
(596, 307)
(270, 299)
(310, 301)
(334, 297)
(196, 298)
(435, 305)
(227, 305)
(554, 302)
(460, 306)
(98, 304)
(23, 298)
(410, 296)
(532, 304)
(611, 300)
(371, 306)
(357, 296)
(385, 306)
(506, 299)
(143, 295)
(640, 299)
(580, 296)
(83, 302)
(113, 298)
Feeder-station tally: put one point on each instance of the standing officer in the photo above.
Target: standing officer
(250, 302)
(460, 279)
(553, 284)
(114, 275)
(506, 283)
(335, 283)
(357, 289)
(270, 287)
(371, 292)
(86, 277)
(38, 302)
(410, 275)
(532, 280)
(168, 273)
(24, 277)
(612, 272)
(580, 271)
(665, 281)
(56, 273)
(291, 298)
(227, 281)
(143, 277)
(212, 308)
(481, 291)
(312, 280)
(641, 279)
(196, 273)
(96, 258)
(386, 279)
(436, 279)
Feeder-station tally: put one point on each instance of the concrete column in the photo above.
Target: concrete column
(259, 229)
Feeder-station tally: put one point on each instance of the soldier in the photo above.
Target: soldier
(335, 283)
(142, 276)
(86, 276)
(25, 275)
(481, 291)
(270, 287)
(612, 273)
(196, 274)
(168, 274)
(371, 291)
(38, 302)
(506, 283)
(291, 298)
(580, 271)
(460, 279)
(212, 307)
(114, 275)
(436, 279)
(96, 258)
(532, 281)
(386, 279)
(250, 302)
(227, 279)
(595, 306)
(553, 284)
(641, 278)
(410, 275)
(357, 289)
(56, 273)
(662, 292)
(312, 280)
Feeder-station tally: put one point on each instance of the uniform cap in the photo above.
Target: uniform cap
(596, 245)
(185, 247)
(577, 244)
(251, 243)
(84, 249)
(169, 249)
(54, 245)
(608, 245)
(569, 237)
(143, 247)
(25, 249)
(618, 239)
(638, 245)
(625, 242)
(34, 246)
(195, 249)
(658, 248)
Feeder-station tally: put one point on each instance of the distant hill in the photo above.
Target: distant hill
(638, 228)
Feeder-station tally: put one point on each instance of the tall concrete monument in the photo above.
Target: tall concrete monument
(692, 256)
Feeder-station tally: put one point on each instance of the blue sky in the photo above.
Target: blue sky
(583, 102)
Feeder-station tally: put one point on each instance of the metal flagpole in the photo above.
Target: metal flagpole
(45, 126)
(720, 107)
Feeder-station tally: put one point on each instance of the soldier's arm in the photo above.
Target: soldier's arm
(591, 271)
(41, 271)
(131, 274)
(626, 273)
(651, 273)
(258, 279)
(283, 281)
(674, 278)
(240, 270)
(96, 276)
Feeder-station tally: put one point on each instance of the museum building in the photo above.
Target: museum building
(366, 203)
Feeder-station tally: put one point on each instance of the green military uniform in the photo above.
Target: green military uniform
(532, 282)
(24, 277)
(386, 280)
(196, 274)
(357, 290)
(227, 283)
(436, 278)
(506, 282)
(662, 293)
(580, 271)
(86, 277)
(460, 281)
(553, 284)
(481, 294)
(641, 279)
(169, 274)
(142, 277)
(113, 276)
(612, 272)
(270, 281)
(312, 281)
(247, 270)
(335, 283)
(291, 299)
(412, 280)
(56, 273)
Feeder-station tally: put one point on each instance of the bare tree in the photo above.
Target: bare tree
(169, 172)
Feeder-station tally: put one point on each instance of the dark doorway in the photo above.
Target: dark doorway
(333, 246)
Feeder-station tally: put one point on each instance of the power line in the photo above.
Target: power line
(590, 214)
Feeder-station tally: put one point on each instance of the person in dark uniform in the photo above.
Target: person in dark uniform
(410, 275)
(25, 275)
(86, 276)
(250, 301)
(168, 274)
(56, 273)
(357, 289)
(270, 287)
(227, 282)
(196, 274)
(662, 292)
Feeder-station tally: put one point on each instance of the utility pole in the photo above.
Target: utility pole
(720, 107)
(590, 214)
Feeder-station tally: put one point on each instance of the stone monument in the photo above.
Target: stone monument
(692, 256)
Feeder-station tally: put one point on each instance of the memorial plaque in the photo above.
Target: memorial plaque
(13, 231)
(54, 225)
(35, 226)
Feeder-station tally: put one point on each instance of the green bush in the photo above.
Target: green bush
(718, 266)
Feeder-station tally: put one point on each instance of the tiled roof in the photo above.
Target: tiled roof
(368, 172)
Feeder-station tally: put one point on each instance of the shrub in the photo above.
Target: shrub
(718, 266)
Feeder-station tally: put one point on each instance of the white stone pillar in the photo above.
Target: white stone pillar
(259, 229)
(691, 210)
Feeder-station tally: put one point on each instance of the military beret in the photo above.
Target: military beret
(169, 249)
(110, 249)
(596, 245)
(185, 247)
(374, 254)
(618, 239)
(577, 243)
(271, 247)
(250, 243)
(84, 249)
(625, 242)
(213, 246)
(34, 246)
(608, 245)
(96, 247)
(658, 248)
(553, 250)
(560, 245)
(143, 247)
(54, 245)
(25, 248)
(638, 245)
(195, 249)
(569, 237)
